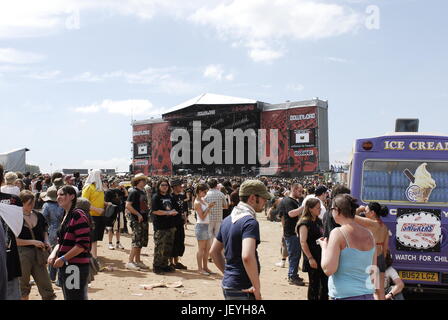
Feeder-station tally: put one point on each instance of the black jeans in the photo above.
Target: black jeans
(74, 280)
(318, 287)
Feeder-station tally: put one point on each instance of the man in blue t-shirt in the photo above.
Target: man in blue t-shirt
(239, 236)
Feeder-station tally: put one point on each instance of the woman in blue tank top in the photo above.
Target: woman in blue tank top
(348, 257)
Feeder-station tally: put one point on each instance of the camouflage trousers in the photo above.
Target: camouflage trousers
(163, 246)
(139, 234)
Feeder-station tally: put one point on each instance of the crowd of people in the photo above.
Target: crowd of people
(51, 225)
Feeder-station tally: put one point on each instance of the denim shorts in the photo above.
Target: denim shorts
(234, 294)
(201, 231)
(363, 297)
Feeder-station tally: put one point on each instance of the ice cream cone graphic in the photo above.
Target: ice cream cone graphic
(422, 184)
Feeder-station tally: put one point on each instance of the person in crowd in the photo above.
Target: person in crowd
(3, 267)
(94, 192)
(310, 230)
(114, 195)
(273, 211)
(225, 212)
(328, 221)
(189, 199)
(10, 187)
(320, 193)
(348, 253)
(234, 197)
(78, 181)
(239, 236)
(372, 221)
(164, 227)
(137, 206)
(180, 205)
(70, 181)
(58, 183)
(214, 195)
(124, 223)
(53, 214)
(202, 209)
(39, 203)
(393, 284)
(27, 180)
(72, 253)
(11, 218)
(34, 250)
(288, 204)
(20, 184)
(47, 183)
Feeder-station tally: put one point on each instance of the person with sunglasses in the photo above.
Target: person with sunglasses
(239, 237)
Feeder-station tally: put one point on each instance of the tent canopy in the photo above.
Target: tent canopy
(14, 160)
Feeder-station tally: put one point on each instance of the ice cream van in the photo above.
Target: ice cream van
(408, 172)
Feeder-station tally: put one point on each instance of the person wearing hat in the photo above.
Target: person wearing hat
(137, 206)
(53, 214)
(58, 183)
(239, 236)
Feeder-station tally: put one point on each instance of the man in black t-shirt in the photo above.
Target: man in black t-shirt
(137, 206)
(289, 233)
(11, 218)
(180, 205)
(115, 196)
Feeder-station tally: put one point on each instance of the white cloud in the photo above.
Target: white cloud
(264, 54)
(165, 80)
(216, 72)
(123, 107)
(296, 87)
(88, 109)
(45, 75)
(338, 60)
(86, 77)
(27, 18)
(13, 56)
(260, 23)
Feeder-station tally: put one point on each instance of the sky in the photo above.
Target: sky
(75, 73)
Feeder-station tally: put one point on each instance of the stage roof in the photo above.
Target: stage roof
(210, 99)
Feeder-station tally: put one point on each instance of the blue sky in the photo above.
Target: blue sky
(71, 72)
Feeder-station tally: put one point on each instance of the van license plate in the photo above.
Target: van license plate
(419, 276)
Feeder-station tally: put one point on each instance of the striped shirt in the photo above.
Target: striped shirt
(219, 199)
(75, 232)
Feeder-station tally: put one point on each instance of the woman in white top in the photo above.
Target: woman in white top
(202, 210)
(10, 187)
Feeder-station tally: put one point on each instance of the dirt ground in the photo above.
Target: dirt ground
(123, 284)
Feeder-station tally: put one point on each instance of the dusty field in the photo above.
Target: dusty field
(122, 284)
